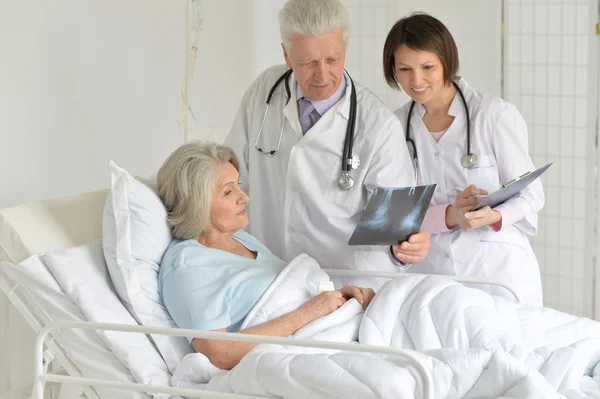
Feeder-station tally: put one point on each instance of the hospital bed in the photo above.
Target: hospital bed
(74, 348)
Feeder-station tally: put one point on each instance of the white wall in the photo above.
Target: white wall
(226, 65)
(551, 76)
(231, 60)
(83, 82)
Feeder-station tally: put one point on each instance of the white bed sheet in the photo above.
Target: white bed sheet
(47, 303)
(475, 345)
(81, 272)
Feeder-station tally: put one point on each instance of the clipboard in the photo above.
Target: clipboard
(392, 215)
(510, 189)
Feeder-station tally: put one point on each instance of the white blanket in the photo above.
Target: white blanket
(476, 345)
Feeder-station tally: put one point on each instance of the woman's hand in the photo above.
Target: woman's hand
(364, 296)
(464, 202)
(482, 217)
(323, 304)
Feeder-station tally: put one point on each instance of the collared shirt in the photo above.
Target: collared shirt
(322, 106)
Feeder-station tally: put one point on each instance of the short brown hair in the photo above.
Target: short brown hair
(420, 32)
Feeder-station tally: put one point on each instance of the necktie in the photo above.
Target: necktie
(307, 113)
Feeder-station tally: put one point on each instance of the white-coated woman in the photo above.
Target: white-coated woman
(469, 143)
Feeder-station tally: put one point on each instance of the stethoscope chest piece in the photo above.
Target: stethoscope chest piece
(469, 161)
(346, 181)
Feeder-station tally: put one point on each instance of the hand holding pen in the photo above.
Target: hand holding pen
(459, 213)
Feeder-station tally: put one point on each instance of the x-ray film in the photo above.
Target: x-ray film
(392, 215)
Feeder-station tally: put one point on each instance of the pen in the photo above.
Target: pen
(458, 191)
(515, 179)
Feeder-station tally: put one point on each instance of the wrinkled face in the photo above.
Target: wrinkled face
(228, 206)
(318, 63)
(420, 73)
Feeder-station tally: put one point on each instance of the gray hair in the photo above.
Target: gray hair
(186, 182)
(312, 18)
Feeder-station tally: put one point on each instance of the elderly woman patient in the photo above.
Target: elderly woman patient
(213, 272)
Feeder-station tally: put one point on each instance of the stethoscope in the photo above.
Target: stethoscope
(468, 161)
(349, 162)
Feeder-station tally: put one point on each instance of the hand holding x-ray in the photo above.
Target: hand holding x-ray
(414, 250)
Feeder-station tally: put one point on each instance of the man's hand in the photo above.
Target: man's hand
(414, 250)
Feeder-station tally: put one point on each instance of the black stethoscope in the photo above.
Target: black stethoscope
(349, 162)
(468, 161)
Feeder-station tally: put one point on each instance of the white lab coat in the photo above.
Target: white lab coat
(295, 203)
(499, 139)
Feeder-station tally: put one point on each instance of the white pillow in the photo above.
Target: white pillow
(31, 283)
(135, 236)
(81, 272)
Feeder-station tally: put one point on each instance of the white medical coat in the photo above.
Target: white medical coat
(295, 203)
(499, 139)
